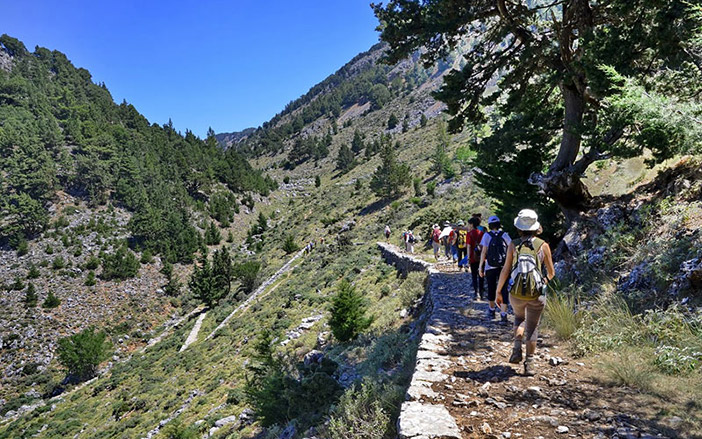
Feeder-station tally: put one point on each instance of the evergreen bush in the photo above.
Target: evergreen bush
(83, 352)
(348, 313)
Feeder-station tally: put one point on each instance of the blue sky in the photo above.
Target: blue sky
(228, 65)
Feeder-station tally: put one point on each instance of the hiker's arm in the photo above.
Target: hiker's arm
(483, 256)
(548, 260)
(504, 274)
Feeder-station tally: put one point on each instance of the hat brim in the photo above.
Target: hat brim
(523, 227)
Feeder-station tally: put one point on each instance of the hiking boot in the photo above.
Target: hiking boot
(516, 356)
(504, 319)
(529, 367)
(490, 314)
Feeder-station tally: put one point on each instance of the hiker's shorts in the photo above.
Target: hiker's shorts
(527, 312)
(436, 246)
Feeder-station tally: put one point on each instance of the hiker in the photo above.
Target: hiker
(435, 240)
(492, 258)
(462, 245)
(475, 236)
(445, 238)
(409, 241)
(479, 216)
(387, 233)
(453, 238)
(525, 257)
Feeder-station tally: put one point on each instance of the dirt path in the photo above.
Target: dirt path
(463, 387)
(192, 337)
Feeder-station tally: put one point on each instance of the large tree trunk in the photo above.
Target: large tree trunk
(562, 182)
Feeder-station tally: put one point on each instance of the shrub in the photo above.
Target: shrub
(92, 263)
(289, 245)
(49, 250)
(17, 285)
(431, 188)
(120, 265)
(90, 279)
(176, 430)
(212, 234)
(675, 360)
(629, 370)
(359, 414)
(30, 297)
(317, 181)
(417, 184)
(561, 315)
(348, 311)
(146, 257)
(22, 248)
(247, 274)
(58, 263)
(286, 179)
(51, 301)
(412, 289)
(83, 352)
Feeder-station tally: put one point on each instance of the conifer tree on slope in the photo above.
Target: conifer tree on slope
(554, 89)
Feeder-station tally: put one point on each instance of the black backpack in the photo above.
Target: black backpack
(497, 250)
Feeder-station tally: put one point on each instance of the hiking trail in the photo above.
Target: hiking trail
(192, 337)
(463, 387)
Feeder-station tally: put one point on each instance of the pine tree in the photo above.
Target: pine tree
(82, 353)
(30, 296)
(348, 313)
(423, 120)
(345, 160)
(317, 181)
(222, 271)
(391, 177)
(392, 121)
(51, 301)
(552, 87)
(357, 142)
(212, 234)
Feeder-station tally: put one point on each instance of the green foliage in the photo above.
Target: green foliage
(58, 263)
(92, 263)
(247, 273)
(30, 296)
(348, 312)
(391, 177)
(392, 121)
(278, 393)
(146, 257)
(51, 301)
(412, 289)
(289, 244)
(317, 181)
(83, 352)
(568, 99)
(120, 265)
(561, 314)
(176, 430)
(90, 279)
(17, 285)
(431, 188)
(345, 161)
(63, 132)
(423, 120)
(357, 143)
(360, 414)
(22, 248)
(417, 184)
(33, 272)
(212, 234)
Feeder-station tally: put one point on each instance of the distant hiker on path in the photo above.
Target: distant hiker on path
(387, 233)
(462, 245)
(475, 236)
(445, 238)
(525, 257)
(495, 244)
(409, 241)
(436, 240)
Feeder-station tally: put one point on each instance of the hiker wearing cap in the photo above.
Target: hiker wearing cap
(387, 233)
(462, 245)
(436, 240)
(474, 238)
(492, 258)
(525, 256)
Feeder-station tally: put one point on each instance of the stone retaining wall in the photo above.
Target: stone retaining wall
(418, 419)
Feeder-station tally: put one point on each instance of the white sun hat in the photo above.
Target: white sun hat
(527, 220)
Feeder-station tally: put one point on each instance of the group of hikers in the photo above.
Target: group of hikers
(515, 271)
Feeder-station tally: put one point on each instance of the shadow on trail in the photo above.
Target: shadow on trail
(374, 207)
(493, 374)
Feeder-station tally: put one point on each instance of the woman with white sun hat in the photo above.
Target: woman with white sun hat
(525, 256)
